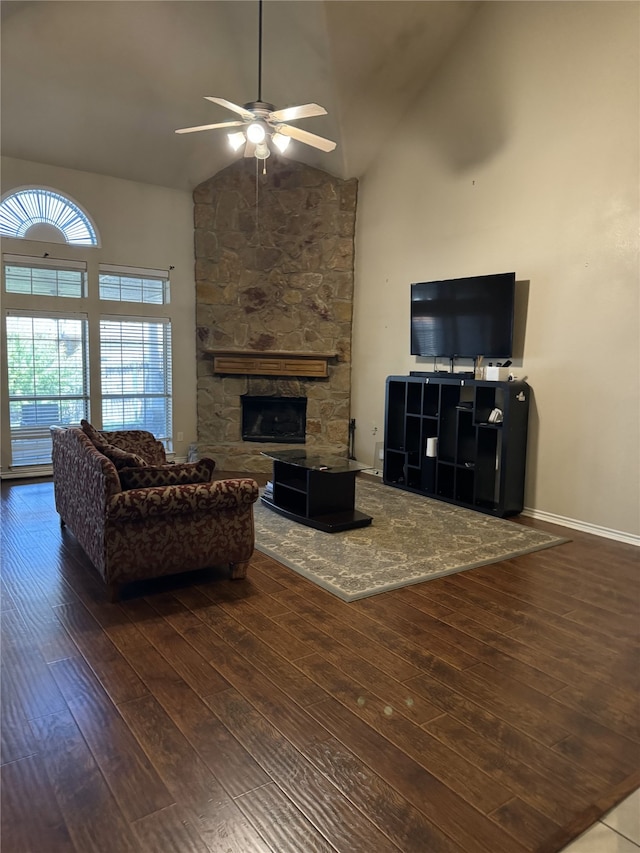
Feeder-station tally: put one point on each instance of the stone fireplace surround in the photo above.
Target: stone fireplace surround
(278, 278)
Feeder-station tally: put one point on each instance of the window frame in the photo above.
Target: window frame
(68, 265)
(95, 309)
(135, 273)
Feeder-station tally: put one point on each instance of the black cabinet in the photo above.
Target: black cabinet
(458, 439)
(316, 494)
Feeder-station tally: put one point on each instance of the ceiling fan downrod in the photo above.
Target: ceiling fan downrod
(259, 50)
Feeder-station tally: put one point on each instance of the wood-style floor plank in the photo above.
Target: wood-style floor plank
(490, 711)
(207, 807)
(235, 768)
(445, 764)
(346, 633)
(92, 815)
(16, 737)
(566, 760)
(217, 626)
(481, 651)
(308, 789)
(361, 671)
(115, 674)
(24, 670)
(444, 807)
(169, 829)
(130, 775)
(531, 784)
(280, 822)
(31, 817)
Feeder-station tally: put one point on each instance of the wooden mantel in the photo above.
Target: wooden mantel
(261, 363)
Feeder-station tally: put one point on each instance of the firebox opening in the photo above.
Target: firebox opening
(274, 419)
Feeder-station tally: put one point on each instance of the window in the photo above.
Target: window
(82, 339)
(135, 372)
(36, 213)
(134, 285)
(44, 277)
(48, 380)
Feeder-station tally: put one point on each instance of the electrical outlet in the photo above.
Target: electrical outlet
(180, 436)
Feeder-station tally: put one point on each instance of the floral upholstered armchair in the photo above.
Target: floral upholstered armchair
(138, 517)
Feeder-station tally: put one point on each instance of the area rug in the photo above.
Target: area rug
(412, 539)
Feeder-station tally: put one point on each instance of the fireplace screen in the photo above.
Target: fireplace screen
(276, 419)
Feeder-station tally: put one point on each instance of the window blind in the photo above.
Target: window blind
(48, 380)
(135, 371)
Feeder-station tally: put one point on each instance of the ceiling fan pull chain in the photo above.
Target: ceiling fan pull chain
(257, 207)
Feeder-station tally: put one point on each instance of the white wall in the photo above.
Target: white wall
(523, 155)
(140, 225)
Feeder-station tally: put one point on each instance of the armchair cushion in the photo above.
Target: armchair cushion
(91, 432)
(121, 458)
(142, 442)
(144, 476)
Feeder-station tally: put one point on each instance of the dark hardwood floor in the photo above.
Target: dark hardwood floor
(493, 710)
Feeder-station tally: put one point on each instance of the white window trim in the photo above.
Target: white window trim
(94, 307)
(137, 272)
(43, 263)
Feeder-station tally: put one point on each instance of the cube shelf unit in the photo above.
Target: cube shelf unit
(478, 464)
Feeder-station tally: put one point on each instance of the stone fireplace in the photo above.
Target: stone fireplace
(274, 289)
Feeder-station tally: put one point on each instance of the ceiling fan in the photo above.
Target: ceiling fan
(262, 123)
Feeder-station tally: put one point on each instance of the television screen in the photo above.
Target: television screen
(463, 317)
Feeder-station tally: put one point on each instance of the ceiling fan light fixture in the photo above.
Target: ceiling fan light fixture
(236, 140)
(256, 132)
(262, 151)
(281, 142)
(263, 123)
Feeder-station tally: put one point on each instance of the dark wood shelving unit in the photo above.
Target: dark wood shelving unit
(478, 463)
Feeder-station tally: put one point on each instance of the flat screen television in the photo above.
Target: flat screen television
(463, 317)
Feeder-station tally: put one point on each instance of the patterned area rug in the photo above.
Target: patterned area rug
(411, 539)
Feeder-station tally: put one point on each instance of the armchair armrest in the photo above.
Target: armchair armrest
(156, 501)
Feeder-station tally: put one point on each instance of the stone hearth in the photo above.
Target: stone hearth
(278, 277)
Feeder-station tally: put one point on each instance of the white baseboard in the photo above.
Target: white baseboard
(27, 473)
(584, 526)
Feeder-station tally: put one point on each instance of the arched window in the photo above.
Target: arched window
(37, 213)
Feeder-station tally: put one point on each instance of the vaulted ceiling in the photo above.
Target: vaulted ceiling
(102, 86)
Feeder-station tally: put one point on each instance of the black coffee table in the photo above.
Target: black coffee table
(318, 491)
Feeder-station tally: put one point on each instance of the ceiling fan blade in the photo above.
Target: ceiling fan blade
(210, 126)
(246, 115)
(306, 137)
(293, 113)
